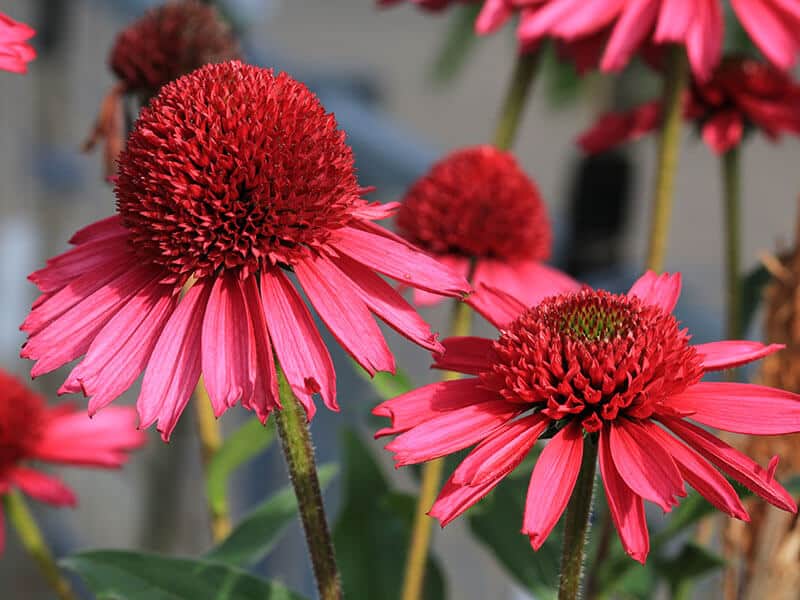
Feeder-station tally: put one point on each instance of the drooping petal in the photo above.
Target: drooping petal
(451, 431)
(398, 261)
(44, 488)
(644, 465)
(733, 353)
(674, 21)
(704, 38)
(742, 468)
(740, 407)
(768, 30)
(389, 305)
(430, 401)
(626, 507)
(529, 282)
(104, 228)
(175, 363)
(496, 306)
(454, 499)
(613, 129)
(658, 290)
(226, 339)
(629, 32)
(458, 264)
(338, 303)
(301, 352)
(468, 354)
(724, 131)
(500, 453)
(492, 17)
(552, 483)
(265, 397)
(701, 475)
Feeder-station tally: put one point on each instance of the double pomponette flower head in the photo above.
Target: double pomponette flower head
(589, 363)
(31, 431)
(232, 178)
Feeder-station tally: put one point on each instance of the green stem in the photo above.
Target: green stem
(577, 523)
(299, 454)
(731, 176)
(515, 100)
(675, 84)
(33, 541)
(420, 541)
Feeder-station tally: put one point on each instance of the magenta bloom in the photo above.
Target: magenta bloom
(31, 431)
(15, 52)
(479, 213)
(232, 178)
(593, 363)
(620, 28)
(743, 94)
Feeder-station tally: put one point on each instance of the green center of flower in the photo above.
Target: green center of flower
(593, 322)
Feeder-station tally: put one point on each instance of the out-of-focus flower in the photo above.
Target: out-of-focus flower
(167, 42)
(591, 363)
(232, 178)
(479, 213)
(15, 52)
(742, 94)
(621, 28)
(31, 431)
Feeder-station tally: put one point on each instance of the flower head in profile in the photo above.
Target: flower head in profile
(590, 363)
(168, 41)
(15, 51)
(478, 212)
(614, 31)
(32, 431)
(743, 94)
(232, 179)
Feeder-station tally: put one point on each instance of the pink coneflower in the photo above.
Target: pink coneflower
(167, 42)
(15, 52)
(620, 28)
(232, 178)
(479, 213)
(31, 431)
(742, 94)
(593, 363)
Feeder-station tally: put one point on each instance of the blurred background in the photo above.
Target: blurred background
(374, 69)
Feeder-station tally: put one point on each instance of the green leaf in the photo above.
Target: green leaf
(256, 535)
(753, 284)
(250, 440)
(459, 41)
(692, 561)
(119, 575)
(372, 531)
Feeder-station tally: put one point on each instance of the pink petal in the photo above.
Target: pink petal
(454, 499)
(644, 465)
(398, 261)
(120, 351)
(704, 39)
(739, 407)
(385, 302)
(102, 441)
(701, 475)
(44, 488)
(770, 32)
(499, 454)
(659, 290)
(338, 303)
(496, 306)
(530, 282)
(589, 18)
(629, 32)
(430, 401)
(492, 17)
(451, 431)
(375, 211)
(174, 367)
(470, 355)
(459, 266)
(552, 483)
(733, 353)
(535, 25)
(229, 370)
(71, 334)
(674, 21)
(104, 228)
(737, 465)
(265, 397)
(627, 509)
(298, 345)
(723, 131)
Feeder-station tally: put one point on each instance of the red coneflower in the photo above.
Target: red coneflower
(742, 94)
(593, 363)
(478, 212)
(15, 52)
(31, 431)
(231, 178)
(167, 42)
